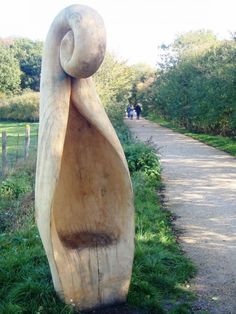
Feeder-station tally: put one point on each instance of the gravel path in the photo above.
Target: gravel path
(200, 184)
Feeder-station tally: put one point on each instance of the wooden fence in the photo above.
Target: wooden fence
(13, 153)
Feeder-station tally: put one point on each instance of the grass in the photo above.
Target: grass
(160, 271)
(223, 143)
(26, 285)
(16, 139)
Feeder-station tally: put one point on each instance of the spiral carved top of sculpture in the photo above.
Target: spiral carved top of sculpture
(84, 201)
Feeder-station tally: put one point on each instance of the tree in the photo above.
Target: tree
(194, 40)
(143, 76)
(197, 89)
(114, 82)
(29, 54)
(9, 71)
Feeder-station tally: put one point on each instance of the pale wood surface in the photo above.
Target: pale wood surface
(84, 199)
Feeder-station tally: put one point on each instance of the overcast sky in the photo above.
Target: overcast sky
(135, 28)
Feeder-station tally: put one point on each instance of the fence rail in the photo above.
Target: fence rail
(17, 145)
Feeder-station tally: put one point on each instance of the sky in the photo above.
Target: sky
(135, 28)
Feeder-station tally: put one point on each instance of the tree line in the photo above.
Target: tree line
(195, 84)
(20, 69)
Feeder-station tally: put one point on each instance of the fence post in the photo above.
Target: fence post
(4, 153)
(27, 141)
(17, 148)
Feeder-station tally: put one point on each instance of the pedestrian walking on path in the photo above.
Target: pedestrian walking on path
(138, 110)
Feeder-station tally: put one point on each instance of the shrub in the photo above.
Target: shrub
(14, 186)
(196, 89)
(142, 158)
(122, 131)
(21, 108)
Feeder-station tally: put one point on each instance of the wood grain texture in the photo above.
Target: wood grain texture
(84, 199)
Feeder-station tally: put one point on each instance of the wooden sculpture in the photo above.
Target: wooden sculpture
(84, 202)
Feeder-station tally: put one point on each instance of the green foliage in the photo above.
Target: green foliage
(142, 75)
(122, 131)
(142, 72)
(14, 186)
(20, 65)
(9, 71)
(196, 86)
(26, 285)
(24, 107)
(16, 195)
(113, 83)
(29, 55)
(143, 158)
(191, 40)
(119, 84)
(224, 143)
(113, 80)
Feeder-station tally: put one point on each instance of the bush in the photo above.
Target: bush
(143, 158)
(21, 108)
(196, 90)
(140, 157)
(122, 131)
(13, 187)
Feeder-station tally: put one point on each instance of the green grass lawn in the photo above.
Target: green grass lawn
(160, 272)
(223, 143)
(16, 140)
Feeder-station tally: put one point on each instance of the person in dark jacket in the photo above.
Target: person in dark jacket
(138, 110)
(128, 111)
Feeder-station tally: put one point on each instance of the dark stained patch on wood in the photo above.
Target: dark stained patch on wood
(87, 239)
